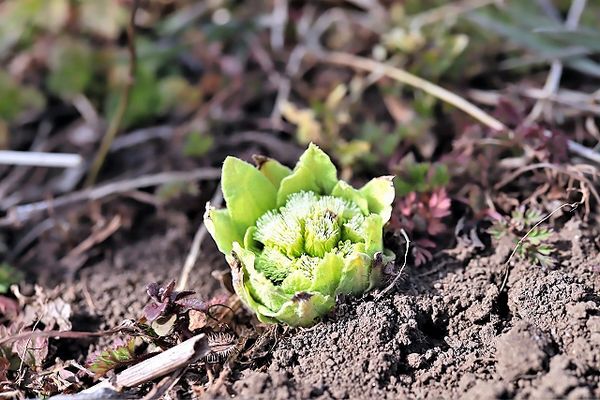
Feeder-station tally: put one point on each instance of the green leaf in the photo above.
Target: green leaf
(120, 355)
(17, 98)
(71, 67)
(347, 192)
(347, 153)
(8, 276)
(102, 17)
(327, 274)
(355, 274)
(247, 192)
(261, 289)
(272, 169)
(249, 242)
(314, 172)
(380, 194)
(295, 282)
(239, 276)
(197, 144)
(222, 229)
(304, 308)
(373, 231)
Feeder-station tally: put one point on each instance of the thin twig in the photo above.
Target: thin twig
(60, 334)
(520, 242)
(22, 213)
(117, 119)
(583, 151)
(27, 239)
(192, 256)
(165, 385)
(141, 136)
(393, 284)
(78, 255)
(577, 175)
(20, 374)
(279, 18)
(40, 143)
(40, 159)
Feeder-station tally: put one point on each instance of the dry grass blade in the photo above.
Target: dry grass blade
(400, 75)
(164, 363)
(518, 22)
(553, 79)
(23, 213)
(395, 281)
(445, 95)
(192, 256)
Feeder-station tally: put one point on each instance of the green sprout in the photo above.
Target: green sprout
(535, 246)
(295, 239)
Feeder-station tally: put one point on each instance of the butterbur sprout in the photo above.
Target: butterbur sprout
(295, 239)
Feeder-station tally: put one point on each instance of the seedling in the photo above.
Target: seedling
(295, 239)
(168, 308)
(535, 246)
(122, 353)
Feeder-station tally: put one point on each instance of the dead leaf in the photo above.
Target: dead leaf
(164, 326)
(309, 129)
(54, 313)
(8, 307)
(399, 110)
(32, 351)
(198, 320)
(4, 365)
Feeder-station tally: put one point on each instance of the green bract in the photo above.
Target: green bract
(296, 239)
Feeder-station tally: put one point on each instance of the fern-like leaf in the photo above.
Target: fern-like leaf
(122, 353)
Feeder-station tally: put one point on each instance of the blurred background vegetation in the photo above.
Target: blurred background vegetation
(222, 77)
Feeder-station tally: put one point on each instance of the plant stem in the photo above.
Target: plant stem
(117, 119)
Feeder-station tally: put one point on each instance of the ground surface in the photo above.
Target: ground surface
(446, 333)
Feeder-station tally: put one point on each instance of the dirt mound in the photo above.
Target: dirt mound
(450, 334)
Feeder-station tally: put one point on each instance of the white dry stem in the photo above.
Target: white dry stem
(192, 256)
(160, 365)
(393, 284)
(23, 212)
(40, 159)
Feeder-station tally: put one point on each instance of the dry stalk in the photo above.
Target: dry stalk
(117, 119)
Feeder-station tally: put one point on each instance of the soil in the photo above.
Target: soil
(447, 332)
